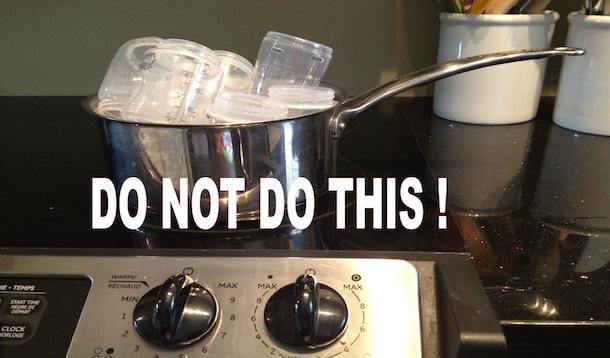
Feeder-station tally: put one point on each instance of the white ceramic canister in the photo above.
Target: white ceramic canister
(503, 94)
(583, 99)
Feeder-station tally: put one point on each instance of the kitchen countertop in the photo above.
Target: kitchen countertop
(530, 202)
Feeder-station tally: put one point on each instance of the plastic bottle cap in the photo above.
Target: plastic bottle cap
(237, 107)
(303, 97)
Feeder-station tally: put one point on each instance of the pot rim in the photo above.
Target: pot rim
(548, 16)
(579, 18)
(90, 104)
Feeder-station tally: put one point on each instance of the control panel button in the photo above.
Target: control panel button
(23, 305)
(14, 333)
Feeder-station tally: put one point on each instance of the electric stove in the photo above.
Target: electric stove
(514, 264)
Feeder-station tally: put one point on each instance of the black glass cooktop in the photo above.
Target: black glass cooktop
(530, 202)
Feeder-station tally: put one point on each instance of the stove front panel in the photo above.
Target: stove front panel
(381, 296)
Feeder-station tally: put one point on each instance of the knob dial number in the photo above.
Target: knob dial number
(177, 313)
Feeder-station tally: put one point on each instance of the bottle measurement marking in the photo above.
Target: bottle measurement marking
(182, 97)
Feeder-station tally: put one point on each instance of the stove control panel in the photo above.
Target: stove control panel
(186, 307)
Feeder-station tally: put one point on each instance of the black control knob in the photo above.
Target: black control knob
(177, 313)
(306, 314)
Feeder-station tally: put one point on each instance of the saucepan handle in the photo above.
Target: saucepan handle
(350, 107)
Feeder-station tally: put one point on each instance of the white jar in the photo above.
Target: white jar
(508, 93)
(583, 99)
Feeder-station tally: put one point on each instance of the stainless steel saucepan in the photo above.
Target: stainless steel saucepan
(284, 149)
